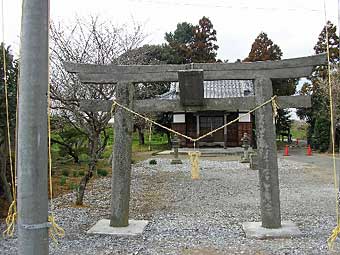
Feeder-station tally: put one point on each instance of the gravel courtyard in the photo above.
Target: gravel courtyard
(200, 217)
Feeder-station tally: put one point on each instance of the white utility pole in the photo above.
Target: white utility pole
(32, 129)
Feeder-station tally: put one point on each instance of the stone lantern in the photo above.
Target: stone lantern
(245, 145)
(175, 145)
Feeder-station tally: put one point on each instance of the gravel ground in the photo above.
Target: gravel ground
(200, 217)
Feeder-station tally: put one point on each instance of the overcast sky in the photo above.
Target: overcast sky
(292, 24)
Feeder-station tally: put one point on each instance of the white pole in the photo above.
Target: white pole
(32, 129)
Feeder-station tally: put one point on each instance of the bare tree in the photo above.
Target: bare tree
(92, 42)
(146, 55)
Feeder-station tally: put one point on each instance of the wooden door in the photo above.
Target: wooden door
(232, 131)
(209, 123)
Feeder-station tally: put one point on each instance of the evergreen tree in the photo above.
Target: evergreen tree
(178, 48)
(203, 48)
(319, 92)
(189, 43)
(264, 49)
(321, 47)
(12, 76)
(320, 138)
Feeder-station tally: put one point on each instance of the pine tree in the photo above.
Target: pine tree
(189, 43)
(321, 47)
(178, 48)
(263, 49)
(203, 49)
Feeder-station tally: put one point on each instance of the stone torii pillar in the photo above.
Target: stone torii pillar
(119, 223)
(121, 163)
(271, 225)
(267, 156)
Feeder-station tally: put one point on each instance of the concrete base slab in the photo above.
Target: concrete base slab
(254, 230)
(102, 227)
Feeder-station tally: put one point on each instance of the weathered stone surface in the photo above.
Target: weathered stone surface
(267, 155)
(175, 145)
(138, 69)
(294, 101)
(209, 104)
(256, 231)
(102, 227)
(245, 145)
(191, 89)
(254, 161)
(289, 68)
(121, 165)
(108, 78)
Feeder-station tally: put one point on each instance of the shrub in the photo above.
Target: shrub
(63, 180)
(65, 172)
(73, 186)
(102, 172)
(320, 138)
(153, 162)
(75, 173)
(81, 173)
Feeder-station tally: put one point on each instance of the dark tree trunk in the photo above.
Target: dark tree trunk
(72, 152)
(3, 174)
(83, 183)
(75, 157)
(140, 136)
(169, 138)
(93, 149)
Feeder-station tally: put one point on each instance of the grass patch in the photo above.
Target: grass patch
(63, 180)
(102, 172)
(73, 186)
(299, 129)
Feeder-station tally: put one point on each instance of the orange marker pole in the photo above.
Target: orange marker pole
(309, 150)
(286, 153)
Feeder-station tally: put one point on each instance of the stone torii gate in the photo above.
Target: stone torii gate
(262, 73)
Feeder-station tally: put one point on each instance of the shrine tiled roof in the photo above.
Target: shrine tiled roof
(217, 89)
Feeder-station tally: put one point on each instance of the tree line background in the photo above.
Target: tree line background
(96, 42)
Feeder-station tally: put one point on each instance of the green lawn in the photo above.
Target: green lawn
(299, 130)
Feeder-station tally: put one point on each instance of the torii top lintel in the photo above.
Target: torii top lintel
(280, 69)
